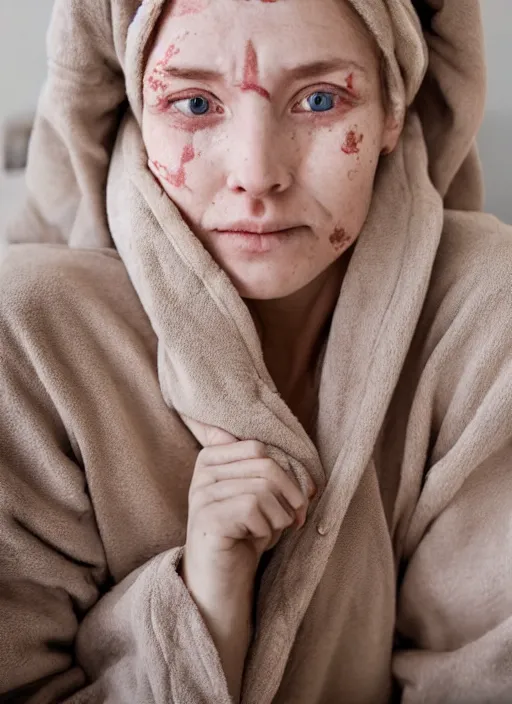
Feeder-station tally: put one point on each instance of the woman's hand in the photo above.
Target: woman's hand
(240, 502)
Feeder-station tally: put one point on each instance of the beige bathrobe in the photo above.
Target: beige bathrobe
(398, 588)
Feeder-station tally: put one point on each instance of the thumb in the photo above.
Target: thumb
(208, 435)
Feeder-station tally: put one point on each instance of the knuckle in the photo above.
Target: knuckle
(251, 504)
(270, 468)
(197, 502)
(286, 521)
(202, 457)
(260, 485)
(257, 449)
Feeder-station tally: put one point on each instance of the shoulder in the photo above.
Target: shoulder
(475, 253)
(472, 276)
(26, 267)
(52, 291)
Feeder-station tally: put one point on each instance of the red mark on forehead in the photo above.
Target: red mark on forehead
(175, 178)
(352, 142)
(251, 77)
(188, 7)
(157, 80)
(339, 239)
(171, 51)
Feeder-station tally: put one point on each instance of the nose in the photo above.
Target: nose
(258, 163)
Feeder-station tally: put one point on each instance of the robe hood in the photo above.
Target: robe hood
(210, 359)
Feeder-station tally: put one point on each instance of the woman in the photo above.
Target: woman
(172, 408)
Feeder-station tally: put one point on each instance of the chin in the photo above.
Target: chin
(263, 289)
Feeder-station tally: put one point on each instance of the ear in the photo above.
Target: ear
(393, 127)
(208, 435)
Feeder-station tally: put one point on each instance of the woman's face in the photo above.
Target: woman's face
(267, 116)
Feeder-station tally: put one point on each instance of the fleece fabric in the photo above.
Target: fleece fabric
(397, 587)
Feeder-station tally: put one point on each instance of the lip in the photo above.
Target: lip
(258, 242)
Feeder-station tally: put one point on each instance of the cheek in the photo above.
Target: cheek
(171, 154)
(183, 165)
(341, 180)
(339, 164)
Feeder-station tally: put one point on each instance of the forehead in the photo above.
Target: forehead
(285, 31)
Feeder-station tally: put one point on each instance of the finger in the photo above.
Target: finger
(233, 487)
(208, 435)
(237, 518)
(276, 515)
(265, 469)
(248, 510)
(233, 452)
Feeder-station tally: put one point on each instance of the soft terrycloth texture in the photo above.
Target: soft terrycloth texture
(100, 355)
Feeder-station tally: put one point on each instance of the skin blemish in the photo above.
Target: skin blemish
(160, 66)
(156, 82)
(352, 174)
(188, 7)
(339, 239)
(250, 81)
(349, 84)
(352, 142)
(175, 178)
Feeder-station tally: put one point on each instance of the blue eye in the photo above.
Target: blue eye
(193, 106)
(320, 102)
(199, 105)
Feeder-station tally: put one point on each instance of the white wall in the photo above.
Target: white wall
(22, 60)
(495, 137)
(23, 26)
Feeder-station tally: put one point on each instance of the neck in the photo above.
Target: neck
(292, 329)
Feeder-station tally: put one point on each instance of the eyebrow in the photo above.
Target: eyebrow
(311, 70)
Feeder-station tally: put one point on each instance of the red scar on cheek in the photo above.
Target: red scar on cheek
(352, 142)
(339, 239)
(250, 81)
(177, 178)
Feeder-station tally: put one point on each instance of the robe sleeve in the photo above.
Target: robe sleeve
(455, 606)
(454, 614)
(75, 126)
(67, 633)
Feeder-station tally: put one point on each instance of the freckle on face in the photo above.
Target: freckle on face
(339, 239)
